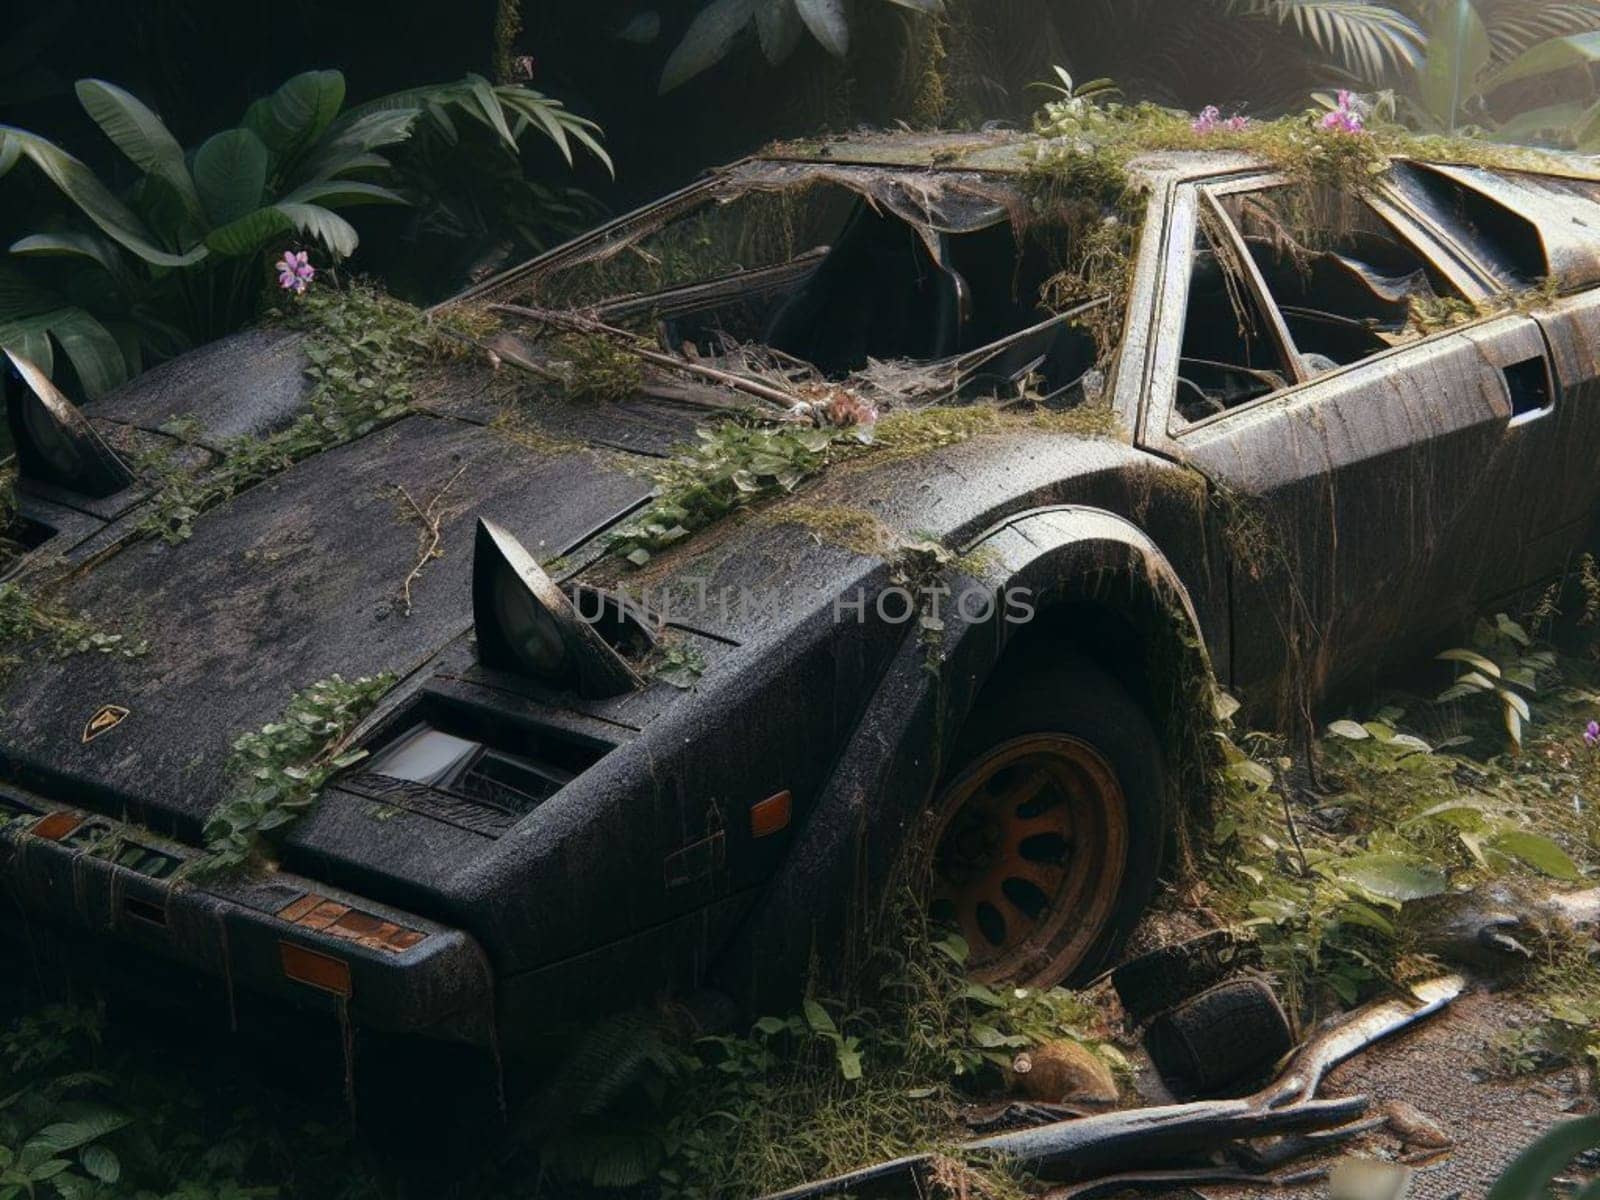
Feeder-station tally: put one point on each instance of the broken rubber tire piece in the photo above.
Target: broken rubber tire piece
(1221, 1040)
(1165, 977)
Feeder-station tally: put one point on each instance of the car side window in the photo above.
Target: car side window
(1230, 354)
(1347, 285)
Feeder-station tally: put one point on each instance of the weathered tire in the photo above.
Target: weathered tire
(1048, 830)
(1169, 975)
(1219, 1041)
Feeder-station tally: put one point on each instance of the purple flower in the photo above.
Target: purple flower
(1347, 117)
(1207, 120)
(295, 272)
(1592, 734)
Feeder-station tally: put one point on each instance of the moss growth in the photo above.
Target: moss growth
(597, 369)
(28, 617)
(1431, 314)
(732, 466)
(853, 528)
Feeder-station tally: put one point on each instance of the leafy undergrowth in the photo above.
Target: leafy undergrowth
(1424, 803)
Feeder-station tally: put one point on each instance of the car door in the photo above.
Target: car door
(1372, 494)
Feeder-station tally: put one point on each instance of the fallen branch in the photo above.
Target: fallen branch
(576, 324)
(429, 518)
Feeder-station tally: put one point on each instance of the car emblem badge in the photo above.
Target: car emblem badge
(106, 718)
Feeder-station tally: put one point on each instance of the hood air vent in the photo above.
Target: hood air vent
(527, 626)
(55, 443)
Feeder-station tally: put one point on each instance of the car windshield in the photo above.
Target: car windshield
(825, 275)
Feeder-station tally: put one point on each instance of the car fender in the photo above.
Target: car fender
(850, 861)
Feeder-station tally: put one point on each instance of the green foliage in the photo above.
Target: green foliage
(732, 465)
(680, 666)
(92, 1112)
(831, 1085)
(597, 368)
(182, 256)
(27, 616)
(1532, 1173)
(282, 768)
(1328, 895)
(1480, 52)
(778, 26)
(363, 349)
(1501, 662)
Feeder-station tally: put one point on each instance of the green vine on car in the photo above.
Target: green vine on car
(281, 769)
(363, 348)
(26, 617)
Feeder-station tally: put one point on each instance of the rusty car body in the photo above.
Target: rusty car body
(1295, 483)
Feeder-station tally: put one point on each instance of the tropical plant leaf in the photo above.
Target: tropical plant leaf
(230, 171)
(1538, 852)
(778, 29)
(1391, 876)
(327, 227)
(1458, 51)
(1472, 659)
(1353, 730)
(1580, 50)
(489, 105)
(80, 185)
(298, 112)
(140, 135)
(350, 139)
(1370, 39)
(1549, 1156)
(69, 1135)
(102, 1163)
(250, 233)
(343, 191)
(10, 153)
(828, 23)
(70, 244)
(707, 41)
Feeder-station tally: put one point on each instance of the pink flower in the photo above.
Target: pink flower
(295, 272)
(1236, 124)
(1347, 117)
(1207, 120)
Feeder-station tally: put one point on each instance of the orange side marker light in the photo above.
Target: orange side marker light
(313, 969)
(771, 815)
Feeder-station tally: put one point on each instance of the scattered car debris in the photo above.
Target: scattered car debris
(1095, 1149)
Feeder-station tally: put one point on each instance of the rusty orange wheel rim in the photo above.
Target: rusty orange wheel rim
(1028, 857)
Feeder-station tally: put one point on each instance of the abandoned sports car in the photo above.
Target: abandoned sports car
(862, 515)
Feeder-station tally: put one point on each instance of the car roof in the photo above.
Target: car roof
(994, 152)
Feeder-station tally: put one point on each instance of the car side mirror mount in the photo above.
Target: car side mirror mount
(54, 440)
(527, 626)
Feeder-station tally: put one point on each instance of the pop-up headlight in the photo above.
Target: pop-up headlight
(525, 624)
(55, 443)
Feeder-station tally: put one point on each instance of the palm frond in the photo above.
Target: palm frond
(1369, 39)
(1515, 26)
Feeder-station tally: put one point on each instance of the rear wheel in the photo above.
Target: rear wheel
(1048, 832)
